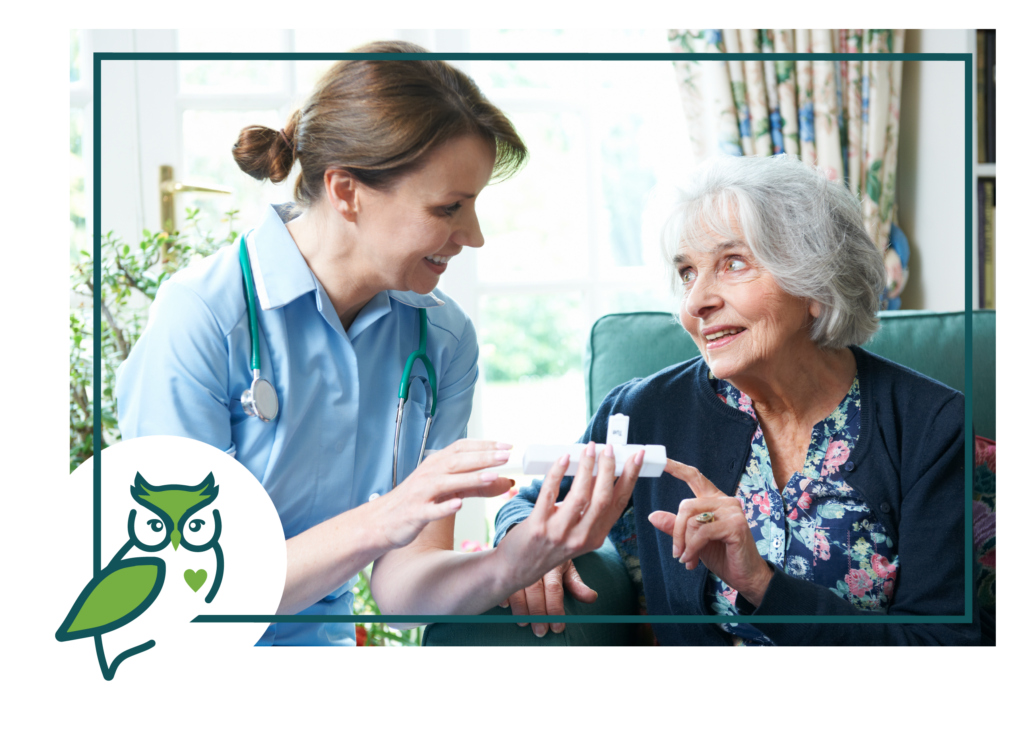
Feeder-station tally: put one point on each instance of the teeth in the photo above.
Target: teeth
(438, 260)
(720, 334)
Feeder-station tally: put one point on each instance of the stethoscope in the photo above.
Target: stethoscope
(260, 400)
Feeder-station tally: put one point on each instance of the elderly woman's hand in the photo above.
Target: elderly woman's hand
(537, 552)
(725, 545)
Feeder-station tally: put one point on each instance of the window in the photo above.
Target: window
(76, 185)
(80, 128)
(74, 55)
(567, 237)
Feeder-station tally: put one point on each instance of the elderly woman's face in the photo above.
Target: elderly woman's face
(741, 320)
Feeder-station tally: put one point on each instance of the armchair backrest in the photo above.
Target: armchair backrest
(627, 345)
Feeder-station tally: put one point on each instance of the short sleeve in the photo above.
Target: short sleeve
(175, 380)
(455, 391)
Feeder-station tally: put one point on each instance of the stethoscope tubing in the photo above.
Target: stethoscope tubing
(251, 403)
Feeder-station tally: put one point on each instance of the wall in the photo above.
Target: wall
(930, 171)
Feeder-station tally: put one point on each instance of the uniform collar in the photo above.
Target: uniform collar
(281, 274)
(278, 270)
(415, 300)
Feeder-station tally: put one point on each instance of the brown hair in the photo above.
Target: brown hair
(377, 118)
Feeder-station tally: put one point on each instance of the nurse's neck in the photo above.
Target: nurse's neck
(329, 246)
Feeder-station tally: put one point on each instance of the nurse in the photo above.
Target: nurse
(392, 158)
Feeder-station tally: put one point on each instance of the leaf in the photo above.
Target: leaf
(117, 595)
(831, 510)
(877, 537)
(762, 547)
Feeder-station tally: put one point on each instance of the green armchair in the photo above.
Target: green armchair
(627, 345)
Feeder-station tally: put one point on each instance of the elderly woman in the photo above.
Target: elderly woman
(819, 479)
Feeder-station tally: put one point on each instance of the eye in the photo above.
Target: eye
(199, 533)
(149, 532)
(734, 265)
(687, 276)
(450, 210)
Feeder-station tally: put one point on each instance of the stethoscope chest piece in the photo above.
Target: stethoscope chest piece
(260, 400)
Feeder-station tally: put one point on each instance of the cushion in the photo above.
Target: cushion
(985, 521)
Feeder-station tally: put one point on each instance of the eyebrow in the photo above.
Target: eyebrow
(681, 259)
(462, 195)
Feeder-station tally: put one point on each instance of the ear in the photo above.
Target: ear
(815, 308)
(342, 193)
(137, 489)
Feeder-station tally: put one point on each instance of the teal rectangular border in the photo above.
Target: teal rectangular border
(966, 59)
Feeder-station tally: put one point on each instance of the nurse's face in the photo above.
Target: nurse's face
(412, 230)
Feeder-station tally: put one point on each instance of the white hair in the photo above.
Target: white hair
(804, 229)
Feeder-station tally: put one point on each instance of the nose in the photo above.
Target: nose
(703, 298)
(468, 232)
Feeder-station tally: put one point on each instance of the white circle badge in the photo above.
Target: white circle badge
(184, 531)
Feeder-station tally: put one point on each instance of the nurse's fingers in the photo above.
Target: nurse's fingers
(474, 445)
(467, 461)
(471, 487)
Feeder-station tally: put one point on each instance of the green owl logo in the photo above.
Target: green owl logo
(126, 587)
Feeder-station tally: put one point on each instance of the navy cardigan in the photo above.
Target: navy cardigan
(908, 464)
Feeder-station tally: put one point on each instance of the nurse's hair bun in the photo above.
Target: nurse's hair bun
(266, 153)
(378, 119)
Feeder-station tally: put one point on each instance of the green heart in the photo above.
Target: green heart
(195, 579)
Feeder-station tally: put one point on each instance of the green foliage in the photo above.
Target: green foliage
(529, 337)
(378, 635)
(130, 279)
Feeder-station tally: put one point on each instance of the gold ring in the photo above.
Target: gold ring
(706, 517)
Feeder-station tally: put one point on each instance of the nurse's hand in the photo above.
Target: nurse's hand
(538, 550)
(436, 488)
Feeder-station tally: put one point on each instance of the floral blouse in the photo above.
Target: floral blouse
(817, 527)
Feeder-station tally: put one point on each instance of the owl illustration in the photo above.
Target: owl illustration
(126, 587)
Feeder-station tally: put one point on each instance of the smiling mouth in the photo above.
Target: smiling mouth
(721, 338)
(439, 260)
(723, 332)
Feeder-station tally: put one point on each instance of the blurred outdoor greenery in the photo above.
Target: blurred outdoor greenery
(74, 52)
(207, 138)
(530, 336)
(536, 222)
(131, 276)
(624, 186)
(76, 184)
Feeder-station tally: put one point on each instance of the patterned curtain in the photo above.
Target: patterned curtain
(842, 116)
